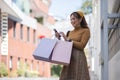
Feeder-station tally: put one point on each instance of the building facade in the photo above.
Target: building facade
(20, 30)
(114, 40)
(106, 60)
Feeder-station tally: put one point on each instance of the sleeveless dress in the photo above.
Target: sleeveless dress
(77, 69)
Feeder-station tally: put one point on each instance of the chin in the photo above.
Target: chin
(74, 25)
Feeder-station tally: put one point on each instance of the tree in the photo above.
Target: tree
(87, 7)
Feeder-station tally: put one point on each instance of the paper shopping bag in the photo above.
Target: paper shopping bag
(62, 52)
(44, 49)
(54, 51)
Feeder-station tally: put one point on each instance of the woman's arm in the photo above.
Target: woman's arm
(81, 44)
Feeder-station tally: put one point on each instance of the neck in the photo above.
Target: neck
(78, 27)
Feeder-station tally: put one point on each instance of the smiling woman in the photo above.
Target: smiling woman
(78, 68)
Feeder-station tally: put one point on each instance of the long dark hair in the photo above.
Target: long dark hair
(83, 23)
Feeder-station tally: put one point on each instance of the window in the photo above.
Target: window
(28, 34)
(31, 11)
(37, 66)
(39, 19)
(34, 36)
(25, 60)
(21, 32)
(10, 62)
(31, 65)
(18, 63)
(14, 29)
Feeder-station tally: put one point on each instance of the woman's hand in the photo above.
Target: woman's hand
(57, 35)
(63, 35)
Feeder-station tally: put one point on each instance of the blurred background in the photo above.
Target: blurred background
(23, 23)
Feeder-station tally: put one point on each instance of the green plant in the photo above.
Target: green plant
(25, 71)
(21, 69)
(55, 70)
(3, 70)
(29, 73)
(13, 74)
(20, 72)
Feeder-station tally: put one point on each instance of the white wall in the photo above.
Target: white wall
(114, 67)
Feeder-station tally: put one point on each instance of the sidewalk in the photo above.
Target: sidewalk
(22, 78)
(92, 76)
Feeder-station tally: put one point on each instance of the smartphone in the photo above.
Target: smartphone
(57, 32)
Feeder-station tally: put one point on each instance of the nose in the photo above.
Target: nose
(72, 21)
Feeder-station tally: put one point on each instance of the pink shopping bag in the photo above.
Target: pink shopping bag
(62, 52)
(54, 51)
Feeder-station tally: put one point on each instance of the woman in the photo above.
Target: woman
(77, 69)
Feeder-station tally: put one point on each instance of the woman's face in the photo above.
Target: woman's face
(75, 21)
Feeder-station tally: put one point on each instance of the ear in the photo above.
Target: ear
(80, 19)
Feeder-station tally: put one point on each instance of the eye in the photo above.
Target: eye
(73, 19)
